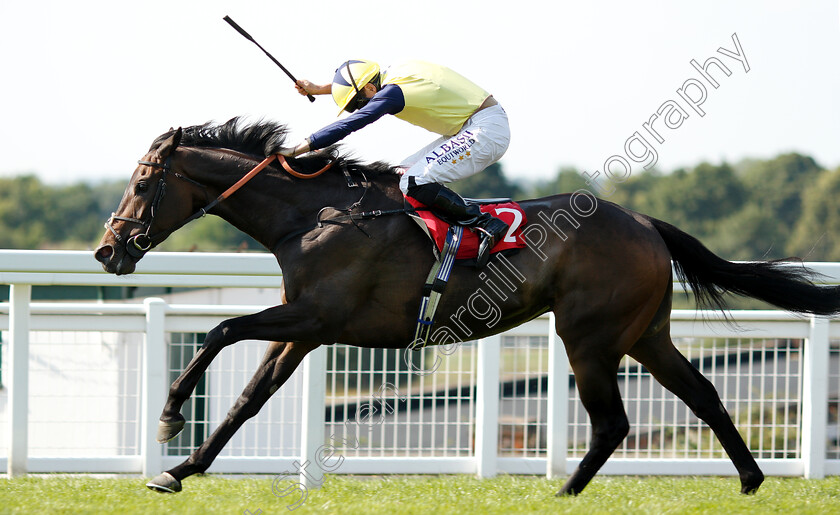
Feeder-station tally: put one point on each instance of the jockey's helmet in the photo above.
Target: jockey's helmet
(349, 80)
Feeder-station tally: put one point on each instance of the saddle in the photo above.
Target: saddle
(437, 227)
(453, 243)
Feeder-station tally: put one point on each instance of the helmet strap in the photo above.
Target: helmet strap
(350, 74)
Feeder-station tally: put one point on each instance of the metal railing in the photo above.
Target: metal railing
(503, 404)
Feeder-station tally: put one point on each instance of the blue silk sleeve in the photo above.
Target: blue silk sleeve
(389, 100)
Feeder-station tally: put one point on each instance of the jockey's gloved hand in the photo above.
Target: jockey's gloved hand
(305, 87)
(300, 148)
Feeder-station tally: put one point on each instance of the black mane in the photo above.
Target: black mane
(261, 138)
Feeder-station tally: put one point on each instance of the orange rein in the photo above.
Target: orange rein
(288, 168)
(265, 162)
(257, 169)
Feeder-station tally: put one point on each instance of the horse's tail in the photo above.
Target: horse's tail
(778, 283)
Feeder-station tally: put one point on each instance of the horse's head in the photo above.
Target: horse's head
(154, 204)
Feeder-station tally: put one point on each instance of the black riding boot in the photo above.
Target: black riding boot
(452, 207)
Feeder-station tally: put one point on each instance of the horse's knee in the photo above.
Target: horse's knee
(246, 407)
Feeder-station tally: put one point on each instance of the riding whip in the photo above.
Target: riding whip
(252, 40)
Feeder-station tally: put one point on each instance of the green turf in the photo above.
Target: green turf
(432, 494)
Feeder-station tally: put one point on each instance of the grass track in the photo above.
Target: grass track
(414, 495)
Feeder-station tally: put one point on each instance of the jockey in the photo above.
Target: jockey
(473, 127)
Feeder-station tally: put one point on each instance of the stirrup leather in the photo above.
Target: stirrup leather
(435, 285)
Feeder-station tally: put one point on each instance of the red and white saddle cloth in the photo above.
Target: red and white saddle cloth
(508, 211)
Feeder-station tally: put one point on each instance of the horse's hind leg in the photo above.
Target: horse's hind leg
(597, 384)
(658, 354)
(277, 365)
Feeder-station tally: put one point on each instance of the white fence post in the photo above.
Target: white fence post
(558, 405)
(154, 384)
(815, 398)
(487, 405)
(312, 420)
(20, 296)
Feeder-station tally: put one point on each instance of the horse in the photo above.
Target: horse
(354, 266)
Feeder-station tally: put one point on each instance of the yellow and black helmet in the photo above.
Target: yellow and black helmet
(349, 80)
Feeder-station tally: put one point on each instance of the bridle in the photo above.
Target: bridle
(139, 244)
(136, 246)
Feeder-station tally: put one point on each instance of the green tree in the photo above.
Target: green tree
(490, 183)
(745, 236)
(568, 180)
(776, 187)
(23, 203)
(75, 216)
(696, 200)
(758, 209)
(816, 236)
(636, 192)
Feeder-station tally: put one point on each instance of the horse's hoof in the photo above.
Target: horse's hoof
(164, 483)
(751, 482)
(167, 430)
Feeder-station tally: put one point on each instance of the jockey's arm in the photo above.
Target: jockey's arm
(389, 100)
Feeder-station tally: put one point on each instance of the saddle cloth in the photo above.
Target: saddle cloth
(508, 211)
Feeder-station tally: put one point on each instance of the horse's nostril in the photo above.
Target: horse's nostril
(103, 253)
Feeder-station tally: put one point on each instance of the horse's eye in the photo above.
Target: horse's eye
(142, 187)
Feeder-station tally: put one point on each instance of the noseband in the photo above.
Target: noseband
(136, 246)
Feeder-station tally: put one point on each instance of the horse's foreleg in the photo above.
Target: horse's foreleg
(669, 367)
(597, 385)
(280, 360)
(284, 322)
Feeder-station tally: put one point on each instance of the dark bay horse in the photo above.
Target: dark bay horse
(603, 270)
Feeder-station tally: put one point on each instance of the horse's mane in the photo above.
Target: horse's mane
(262, 138)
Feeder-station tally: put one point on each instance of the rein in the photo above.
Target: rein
(292, 172)
(139, 244)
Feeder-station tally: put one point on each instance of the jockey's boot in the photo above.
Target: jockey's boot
(493, 229)
(452, 207)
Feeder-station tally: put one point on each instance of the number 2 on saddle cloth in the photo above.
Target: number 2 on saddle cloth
(508, 211)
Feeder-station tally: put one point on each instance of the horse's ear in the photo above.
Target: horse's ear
(170, 144)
